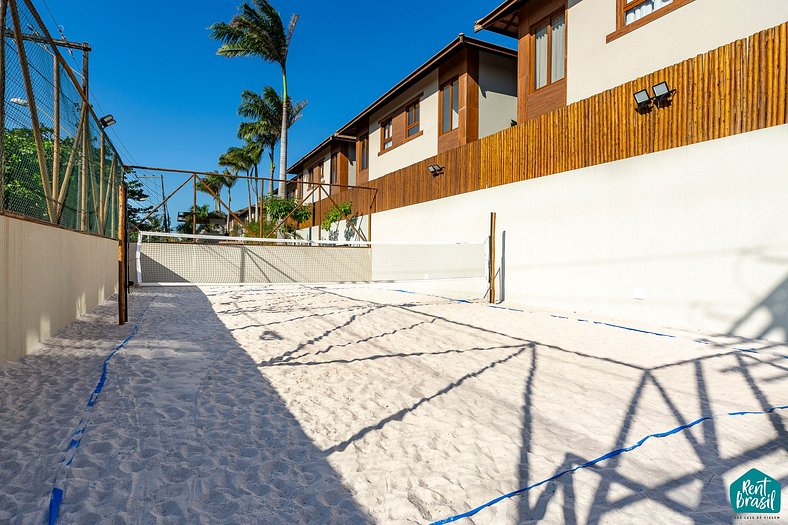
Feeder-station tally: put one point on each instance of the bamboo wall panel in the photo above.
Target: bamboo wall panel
(736, 88)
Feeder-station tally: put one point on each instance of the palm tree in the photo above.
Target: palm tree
(257, 30)
(265, 129)
(228, 181)
(212, 185)
(244, 159)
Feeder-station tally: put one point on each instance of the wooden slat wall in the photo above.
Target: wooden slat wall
(734, 89)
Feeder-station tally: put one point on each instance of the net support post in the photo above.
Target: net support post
(492, 257)
(123, 282)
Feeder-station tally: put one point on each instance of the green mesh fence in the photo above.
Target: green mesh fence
(68, 175)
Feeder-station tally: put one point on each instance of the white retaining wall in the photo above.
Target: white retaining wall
(693, 237)
(48, 278)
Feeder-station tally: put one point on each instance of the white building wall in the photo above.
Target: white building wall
(594, 65)
(50, 277)
(497, 93)
(415, 150)
(693, 237)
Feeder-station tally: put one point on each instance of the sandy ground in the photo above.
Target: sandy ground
(353, 404)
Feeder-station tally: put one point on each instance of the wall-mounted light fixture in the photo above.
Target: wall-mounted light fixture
(643, 101)
(662, 97)
(662, 94)
(435, 170)
(106, 121)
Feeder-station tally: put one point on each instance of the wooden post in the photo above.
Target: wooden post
(492, 258)
(122, 267)
(56, 137)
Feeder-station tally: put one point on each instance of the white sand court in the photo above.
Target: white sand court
(361, 404)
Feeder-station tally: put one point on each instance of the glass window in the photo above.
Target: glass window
(334, 168)
(558, 53)
(450, 106)
(637, 9)
(364, 154)
(540, 57)
(413, 119)
(387, 134)
(549, 51)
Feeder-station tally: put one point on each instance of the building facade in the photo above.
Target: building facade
(569, 50)
(465, 92)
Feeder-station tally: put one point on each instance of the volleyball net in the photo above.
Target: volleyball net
(167, 259)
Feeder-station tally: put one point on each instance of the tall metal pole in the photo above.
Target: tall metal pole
(3, 9)
(194, 209)
(122, 265)
(83, 174)
(166, 213)
(56, 137)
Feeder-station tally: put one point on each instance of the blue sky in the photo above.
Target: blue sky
(154, 67)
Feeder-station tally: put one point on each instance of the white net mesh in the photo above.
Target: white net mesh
(197, 259)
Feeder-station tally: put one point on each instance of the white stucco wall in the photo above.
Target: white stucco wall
(48, 278)
(497, 93)
(693, 237)
(594, 65)
(414, 150)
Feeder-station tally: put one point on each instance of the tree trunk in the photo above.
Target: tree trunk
(249, 198)
(283, 140)
(229, 207)
(273, 170)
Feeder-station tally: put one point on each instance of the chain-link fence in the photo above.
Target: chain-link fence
(58, 166)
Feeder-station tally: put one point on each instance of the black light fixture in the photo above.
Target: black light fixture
(643, 101)
(662, 97)
(662, 94)
(435, 170)
(107, 121)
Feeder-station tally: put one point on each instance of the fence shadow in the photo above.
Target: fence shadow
(187, 430)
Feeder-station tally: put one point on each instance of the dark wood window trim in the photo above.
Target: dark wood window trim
(384, 125)
(414, 127)
(399, 122)
(547, 22)
(397, 145)
(363, 153)
(622, 7)
(315, 174)
(451, 104)
(334, 168)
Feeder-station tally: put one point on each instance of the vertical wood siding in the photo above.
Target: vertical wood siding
(734, 89)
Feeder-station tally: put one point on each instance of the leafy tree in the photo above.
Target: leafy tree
(266, 128)
(202, 220)
(336, 213)
(257, 30)
(212, 185)
(244, 159)
(136, 210)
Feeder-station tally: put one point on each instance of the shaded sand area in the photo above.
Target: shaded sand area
(355, 404)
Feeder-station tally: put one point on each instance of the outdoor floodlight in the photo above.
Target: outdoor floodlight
(643, 101)
(106, 121)
(18, 101)
(662, 94)
(435, 170)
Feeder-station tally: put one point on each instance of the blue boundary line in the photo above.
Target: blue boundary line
(76, 438)
(579, 320)
(602, 458)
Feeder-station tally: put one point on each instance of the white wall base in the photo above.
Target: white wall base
(693, 237)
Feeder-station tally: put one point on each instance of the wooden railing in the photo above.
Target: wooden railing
(736, 88)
